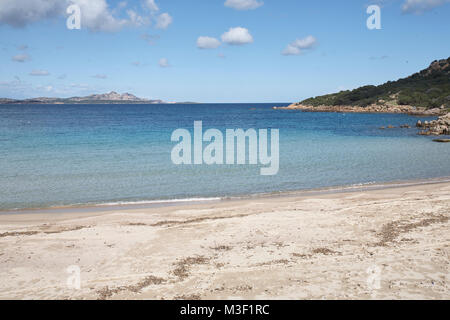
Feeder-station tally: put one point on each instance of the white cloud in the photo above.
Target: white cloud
(18, 13)
(243, 4)
(291, 51)
(298, 46)
(96, 15)
(237, 36)
(164, 63)
(420, 6)
(21, 57)
(137, 20)
(207, 43)
(163, 21)
(39, 73)
(151, 5)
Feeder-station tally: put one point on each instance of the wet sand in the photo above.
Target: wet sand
(385, 243)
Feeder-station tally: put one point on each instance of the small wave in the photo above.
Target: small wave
(144, 202)
(358, 185)
(344, 187)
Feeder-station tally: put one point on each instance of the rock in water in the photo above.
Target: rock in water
(441, 126)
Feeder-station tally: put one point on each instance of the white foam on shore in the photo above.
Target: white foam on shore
(144, 202)
(332, 189)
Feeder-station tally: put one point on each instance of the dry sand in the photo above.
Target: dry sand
(392, 243)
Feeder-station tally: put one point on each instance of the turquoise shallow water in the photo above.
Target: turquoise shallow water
(57, 155)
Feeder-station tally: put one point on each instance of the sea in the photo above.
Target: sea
(97, 155)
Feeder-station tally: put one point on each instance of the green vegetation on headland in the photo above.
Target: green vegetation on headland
(429, 88)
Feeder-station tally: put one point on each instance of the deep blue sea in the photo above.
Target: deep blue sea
(58, 155)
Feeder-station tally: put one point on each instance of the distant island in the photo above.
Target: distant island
(424, 93)
(105, 98)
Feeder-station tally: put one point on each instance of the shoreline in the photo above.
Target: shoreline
(318, 246)
(400, 109)
(163, 203)
(437, 127)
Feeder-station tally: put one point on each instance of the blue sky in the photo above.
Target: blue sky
(152, 50)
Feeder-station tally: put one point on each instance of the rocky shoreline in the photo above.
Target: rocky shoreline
(373, 108)
(438, 127)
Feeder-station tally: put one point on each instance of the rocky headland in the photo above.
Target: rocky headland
(425, 93)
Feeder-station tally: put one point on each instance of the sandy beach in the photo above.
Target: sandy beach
(387, 243)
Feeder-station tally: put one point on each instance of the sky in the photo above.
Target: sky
(215, 51)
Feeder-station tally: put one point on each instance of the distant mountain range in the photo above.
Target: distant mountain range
(105, 98)
(429, 88)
